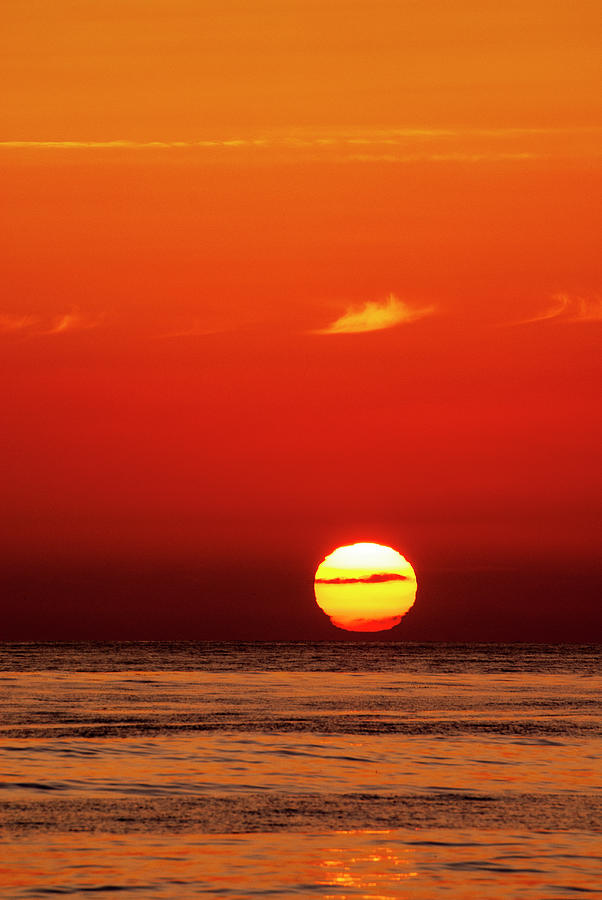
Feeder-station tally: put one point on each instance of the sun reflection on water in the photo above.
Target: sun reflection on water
(346, 865)
(370, 869)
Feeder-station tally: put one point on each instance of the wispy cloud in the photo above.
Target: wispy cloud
(437, 157)
(13, 324)
(306, 137)
(375, 316)
(132, 145)
(72, 321)
(195, 329)
(568, 308)
(32, 325)
(400, 145)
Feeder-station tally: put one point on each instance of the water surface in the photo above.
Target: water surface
(347, 770)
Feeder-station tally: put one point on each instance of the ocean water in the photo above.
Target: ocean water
(330, 770)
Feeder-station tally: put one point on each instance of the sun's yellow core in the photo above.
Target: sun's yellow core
(365, 587)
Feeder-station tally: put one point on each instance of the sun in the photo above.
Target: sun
(365, 587)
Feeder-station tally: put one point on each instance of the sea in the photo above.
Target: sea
(325, 770)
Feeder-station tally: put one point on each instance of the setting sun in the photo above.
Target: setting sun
(365, 587)
(280, 275)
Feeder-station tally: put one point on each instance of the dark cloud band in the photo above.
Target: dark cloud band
(376, 578)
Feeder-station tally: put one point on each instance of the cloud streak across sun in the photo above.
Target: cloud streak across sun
(376, 578)
(375, 316)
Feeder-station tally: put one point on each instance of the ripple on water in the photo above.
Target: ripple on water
(375, 862)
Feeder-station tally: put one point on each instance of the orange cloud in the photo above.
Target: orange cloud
(568, 308)
(32, 325)
(11, 323)
(72, 321)
(375, 316)
(195, 329)
(404, 144)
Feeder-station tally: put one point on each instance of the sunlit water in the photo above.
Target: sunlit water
(326, 770)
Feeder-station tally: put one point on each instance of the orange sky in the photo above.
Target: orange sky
(194, 193)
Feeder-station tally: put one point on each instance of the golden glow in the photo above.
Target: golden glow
(365, 587)
(375, 317)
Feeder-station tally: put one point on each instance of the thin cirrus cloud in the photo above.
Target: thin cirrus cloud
(344, 148)
(402, 146)
(72, 321)
(568, 308)
(375, 316)
(35, 326)
(462, 139)
(10, 324)
(195, 329)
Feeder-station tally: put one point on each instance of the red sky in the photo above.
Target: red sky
(193, 194)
